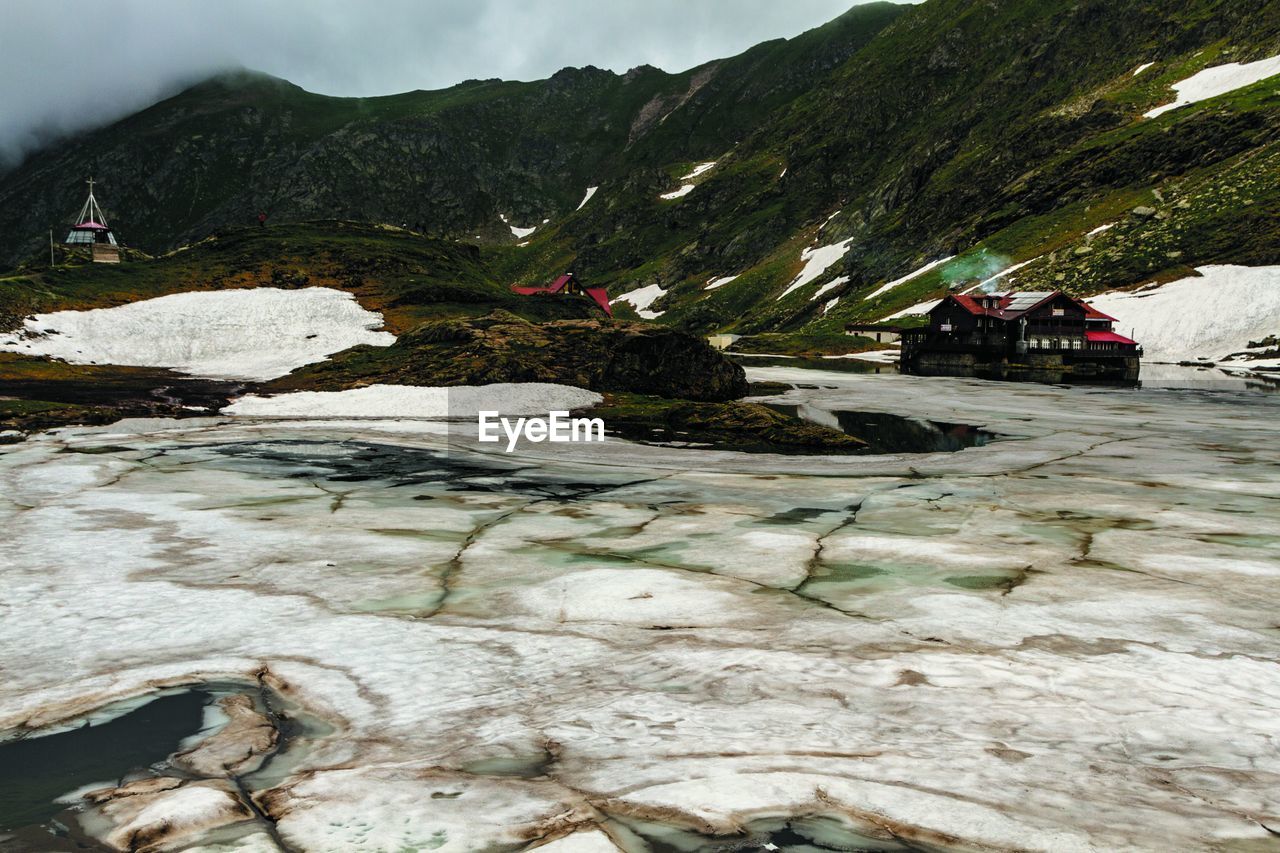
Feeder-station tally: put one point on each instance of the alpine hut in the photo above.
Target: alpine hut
(92, 231)
(567, 285)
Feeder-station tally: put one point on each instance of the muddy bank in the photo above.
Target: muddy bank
(39, 393)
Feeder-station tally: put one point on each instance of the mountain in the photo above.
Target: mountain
(1000, 132)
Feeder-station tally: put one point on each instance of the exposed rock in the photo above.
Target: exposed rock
(1144, 212)
(734, 425)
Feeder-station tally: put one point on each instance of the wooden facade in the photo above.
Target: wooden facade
(1036, 330)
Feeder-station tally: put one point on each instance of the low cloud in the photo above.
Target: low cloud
(64, 68)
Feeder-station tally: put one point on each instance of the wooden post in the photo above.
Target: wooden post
(50, 248)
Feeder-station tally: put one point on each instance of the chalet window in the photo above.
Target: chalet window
(1058, 312)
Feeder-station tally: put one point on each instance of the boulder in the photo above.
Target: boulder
(600, 355)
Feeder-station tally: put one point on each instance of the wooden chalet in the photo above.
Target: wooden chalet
(1040, 330)
(568, 285)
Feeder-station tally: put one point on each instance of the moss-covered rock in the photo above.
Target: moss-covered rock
(600, 355)
(732, 425)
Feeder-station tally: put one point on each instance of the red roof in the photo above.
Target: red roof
(1091, 313)
(1108, 338)
(598, 295)
(969, 304)
(90, 225)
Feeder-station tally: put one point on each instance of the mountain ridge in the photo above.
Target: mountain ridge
(1000, 132)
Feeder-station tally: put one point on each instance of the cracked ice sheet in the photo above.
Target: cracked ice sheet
(633, 614)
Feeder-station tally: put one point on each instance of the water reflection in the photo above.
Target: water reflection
(885, 433)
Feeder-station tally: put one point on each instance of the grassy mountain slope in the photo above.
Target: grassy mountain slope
(408, 277)
(450, 161)
(1000, 131)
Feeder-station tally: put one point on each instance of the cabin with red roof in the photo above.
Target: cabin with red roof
(1038, 330)
(567, 285)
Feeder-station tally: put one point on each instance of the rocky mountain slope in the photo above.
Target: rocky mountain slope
(793, 188)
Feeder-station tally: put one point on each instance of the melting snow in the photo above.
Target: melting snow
(520, 233)
(416, 401)
(641, 299)
(1143, 67)
(919, 308)
(254, 334)
(829, 286)
(830, 304)
(906, 278)
(719, 282)
(680, 193)
(443, 610)
(586, 198)
(1101, 228)
(817, 261)
(878, 356)
(1210, 316)
(698, 170)
(1219, 80)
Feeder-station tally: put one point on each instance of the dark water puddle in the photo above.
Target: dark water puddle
(831, 365)
(885, 433)
(359, 462)
(808, 833)
(34, 771)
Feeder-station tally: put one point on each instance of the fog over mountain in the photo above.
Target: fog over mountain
(61, 70)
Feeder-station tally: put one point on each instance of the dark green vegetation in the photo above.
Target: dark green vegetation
(39, 393)
(731, 425)
(501, 347)
(408, 277)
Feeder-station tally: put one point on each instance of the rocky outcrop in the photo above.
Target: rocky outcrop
(599, 355)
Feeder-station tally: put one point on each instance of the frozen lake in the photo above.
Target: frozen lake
(1066, 640)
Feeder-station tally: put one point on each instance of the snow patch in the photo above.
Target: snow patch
(698, 170)
(817, 261)
(829, 286)
(877, 356)
(719, 282)
(1143, 67)
(254, 334)
(906, 278)
(1210, 316)
(1100, 229)
(1218, 80)
(520, 233)
(919, 308)
(830, 304)
(641, 298)
(586, 198)
(415, 401)
(680, 193)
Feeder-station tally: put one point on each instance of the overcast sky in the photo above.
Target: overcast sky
(64, 65)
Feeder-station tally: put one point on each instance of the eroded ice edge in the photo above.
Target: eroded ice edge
(1066, 642)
